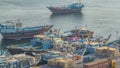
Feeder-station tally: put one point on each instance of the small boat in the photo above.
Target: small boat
(10, 30)
(76, 34)
(93, 43)
(71, 8)
(114, 44)
(24, 49)
(39, 43)
(49, 55)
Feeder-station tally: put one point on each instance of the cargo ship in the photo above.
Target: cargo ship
(10, 30)
(70, 8)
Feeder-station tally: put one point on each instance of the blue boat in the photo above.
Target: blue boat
(15, 31)
(70, 8)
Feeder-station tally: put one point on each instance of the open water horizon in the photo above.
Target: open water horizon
(101, 16)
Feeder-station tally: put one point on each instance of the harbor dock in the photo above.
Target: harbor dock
(77, 48)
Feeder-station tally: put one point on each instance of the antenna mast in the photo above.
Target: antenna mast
(79, 1)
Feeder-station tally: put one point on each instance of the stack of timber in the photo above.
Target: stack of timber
(102, 63)
(16, 61)
(107, 52)
(61, 62)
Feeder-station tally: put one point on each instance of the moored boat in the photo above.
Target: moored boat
(93, 43)
(10, 30)
(39, 44)
(76, 34)
(71, 8)
(114, 44)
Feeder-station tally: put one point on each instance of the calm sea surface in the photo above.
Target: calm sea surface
(101, 16)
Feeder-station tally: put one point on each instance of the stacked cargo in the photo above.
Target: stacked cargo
(24, 60)
(58, 43)
(115, 63)
(3, 62)
(8, 62)
(53, 62)
(61, 62)
(12, 62)
(102, 63)
(77, 57)
(107, 52)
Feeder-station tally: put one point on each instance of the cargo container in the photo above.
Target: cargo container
(101, 63)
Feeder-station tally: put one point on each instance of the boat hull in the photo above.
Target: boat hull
(58, 11)
(25, 35)
(14, 51)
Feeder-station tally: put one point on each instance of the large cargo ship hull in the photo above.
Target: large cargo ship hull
(23, 35)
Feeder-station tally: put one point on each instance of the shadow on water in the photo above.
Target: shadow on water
(76, 17)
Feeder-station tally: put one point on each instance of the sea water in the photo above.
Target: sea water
(101, 16)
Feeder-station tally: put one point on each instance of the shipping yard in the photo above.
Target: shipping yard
(76, 48)
(66, 41)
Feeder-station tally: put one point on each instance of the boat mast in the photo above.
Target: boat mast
(79, 1)
(117, 37)
(18, 20)
(1, 44)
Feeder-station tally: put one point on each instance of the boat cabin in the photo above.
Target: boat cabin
(42, 40)
(10, 27)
